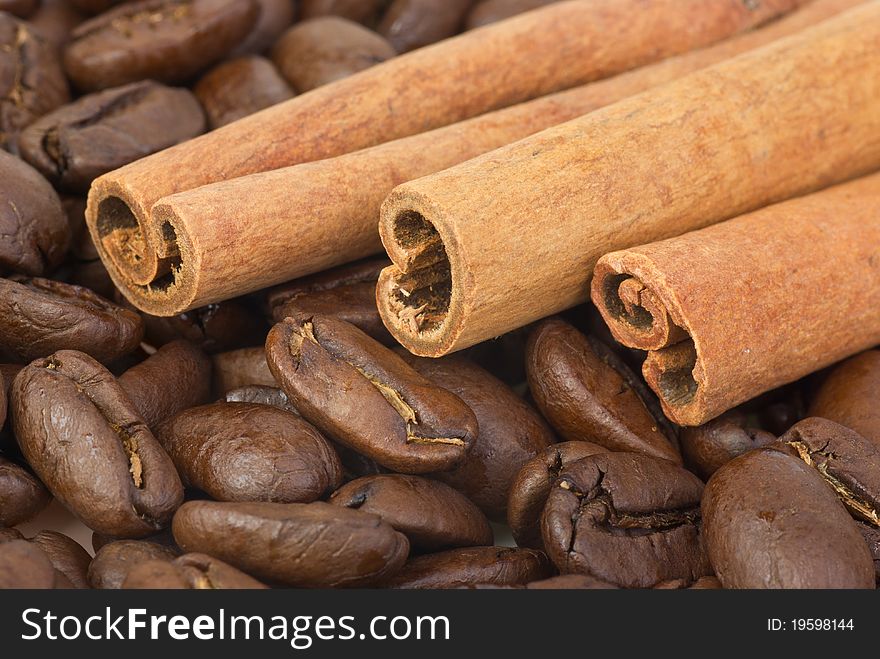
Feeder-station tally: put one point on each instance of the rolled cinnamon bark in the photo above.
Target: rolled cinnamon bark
(731, 311)
(511, 236)
(258, 230)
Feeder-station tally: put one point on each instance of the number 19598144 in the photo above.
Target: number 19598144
(810, 624)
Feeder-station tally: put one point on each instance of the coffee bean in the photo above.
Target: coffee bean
(239, 87)
(511, 432)
(25, 565)
(34, 234)
(571, 582)
(3, 388)
(469, 566)
(241, 368)
(20, 8)
(176, 377)
(22, 496)
(250, 452)
(717, 442)
(411, 24)
(532, 486)
(347, 293)
(7, 534)
(101, 132)
(163, 40)
(770, 521)
(871, 534)
(114, 561)
(227, 325)
(87, 443)
(55, 20)
(362, 11)
(66, 555)
(492, 11)
(274, 18)
(849, 395)
(626, 518)
(164, 538)
(587, 393)
(312, 545)
(703, 583)
(40, 316)
(94, 6)
(31, 80)
(188, 572)
(363, 395)
(432, 515)
(262, 395)
(322, 50)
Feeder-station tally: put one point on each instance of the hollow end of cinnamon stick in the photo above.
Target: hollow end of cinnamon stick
(641, 316)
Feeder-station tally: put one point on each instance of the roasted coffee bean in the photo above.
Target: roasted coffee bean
(251, 452)
(363, 395)
(20, 8)
(262, 395)
(241, 368)
(587, 393)
(214, 328)
(31, 80)
(25, 565)
(34, 234)
(55, 20)
(717, 442)
(362, 11)
(847, 462)
(40, 316)
(94, 6)
(469, 566)
(492, 11)
(274, 18)
(571, 582)
(81, 246)
(511, 432)
(532, 486)
(411, 24)
(322, 50)
(88, 444)
(114, 561)
(188, 572)
(92, 275)
(2, 400)
(770, 521)
(850, 396)
(7, 534)
(176, 377)
(22, 496)
(703, 583)
(626, 518)
(164, 538)
(164, 40)
(66, 555)
(239, 87)
(347, 293)
(312, 545)
(432, 515)
(871, 534)
(101, 132)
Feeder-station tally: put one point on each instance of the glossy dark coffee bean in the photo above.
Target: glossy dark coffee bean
(706, 448)
(532, 486)
(241, 368)
(625, 518)
(849, 395)
(88, 444)
(770, 521)
(587, 393)
(34, 234)
(471, 566)
(101, 132)
(432, 515)
(24, 565)
(411, 24)
(511, 432)
(492, 11)
(347, 293)
(164, 40)
(176, 377)
(188, 572)
(239, 87)
(251, 452)
(262, 395)
(312, 545)
(66, 555)
(22, 495)
(227, 325)
(362, 11)
(115, 560)
(322, 50)
(274, 18)
(31, 80)
(40, 316)
(363, 395)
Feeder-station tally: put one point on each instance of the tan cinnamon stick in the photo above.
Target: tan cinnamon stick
(255, 231)
(731, 311)
(513, 235)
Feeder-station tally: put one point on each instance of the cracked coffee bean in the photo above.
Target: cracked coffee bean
(88, 444)
(113, 561)
(101, 132)
(188, 572)
(770, 521)
(363, 395)
(22, 495)
(626, 518)
(432, 515)
(709, 446)
(312, 545)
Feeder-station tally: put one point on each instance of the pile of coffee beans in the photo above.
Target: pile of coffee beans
(283, 439)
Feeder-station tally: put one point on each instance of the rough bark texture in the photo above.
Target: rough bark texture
(513, 235)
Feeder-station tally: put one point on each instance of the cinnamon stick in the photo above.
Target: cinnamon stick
(513, 235)
(733, 310)
(258, 230)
